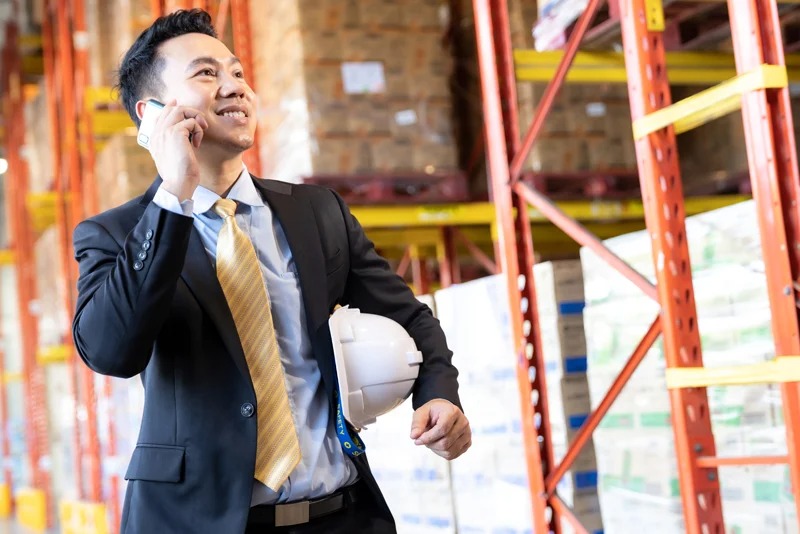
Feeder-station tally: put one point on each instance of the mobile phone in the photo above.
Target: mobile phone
(151, 112)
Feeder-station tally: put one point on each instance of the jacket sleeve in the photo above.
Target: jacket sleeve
(373, 287)
(125, 289)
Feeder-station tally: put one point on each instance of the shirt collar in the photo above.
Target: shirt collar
(243, 191)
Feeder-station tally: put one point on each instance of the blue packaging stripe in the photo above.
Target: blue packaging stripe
(575, 421)
(585, 479)
(571, 307)
(576, 364)
(439, 522)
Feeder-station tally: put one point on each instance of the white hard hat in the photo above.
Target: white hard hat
(377, 363)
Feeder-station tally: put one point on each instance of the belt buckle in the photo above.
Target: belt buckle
(295, 513)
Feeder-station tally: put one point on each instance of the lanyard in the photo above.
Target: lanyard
(352, 445)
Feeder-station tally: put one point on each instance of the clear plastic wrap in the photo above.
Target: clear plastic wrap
(635, 445)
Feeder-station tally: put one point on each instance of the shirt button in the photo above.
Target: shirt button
(149, 234)
(146, 245)
(142, 255)
(247, 410)
(137, 265)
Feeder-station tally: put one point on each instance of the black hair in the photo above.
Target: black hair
(140, 70)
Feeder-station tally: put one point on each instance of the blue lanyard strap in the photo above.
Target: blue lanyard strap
(352, 445)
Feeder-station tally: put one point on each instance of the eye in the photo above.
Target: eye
(206, 72)
(239, 74)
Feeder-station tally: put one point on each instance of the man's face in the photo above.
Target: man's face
(200, 72)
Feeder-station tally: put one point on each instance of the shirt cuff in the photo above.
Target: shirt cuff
(166, 200)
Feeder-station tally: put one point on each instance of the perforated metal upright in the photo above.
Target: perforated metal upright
(760, 89)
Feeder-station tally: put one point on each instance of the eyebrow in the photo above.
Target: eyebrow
(205, 60)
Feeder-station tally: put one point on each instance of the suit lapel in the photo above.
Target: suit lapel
(199, 275)
(299, 224)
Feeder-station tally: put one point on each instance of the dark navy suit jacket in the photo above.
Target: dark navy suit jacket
(165, 316)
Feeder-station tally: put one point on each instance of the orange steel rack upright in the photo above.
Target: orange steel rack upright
(22, 240)
(760, 89)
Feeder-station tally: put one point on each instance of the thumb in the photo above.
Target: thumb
(419, 422)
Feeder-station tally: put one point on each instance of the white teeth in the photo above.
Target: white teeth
(238, 114)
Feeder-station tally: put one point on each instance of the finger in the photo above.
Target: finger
(187, 127)
(197, 138)
(170, 116)
(197, 133)
(464, 448)
(448, 442)
(457, 448)
(191, 113)
(419, 421)
(442, 427)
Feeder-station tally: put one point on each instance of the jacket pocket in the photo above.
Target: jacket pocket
(156, 463)
(334, 262)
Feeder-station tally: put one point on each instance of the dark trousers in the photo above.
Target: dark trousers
(363, 516)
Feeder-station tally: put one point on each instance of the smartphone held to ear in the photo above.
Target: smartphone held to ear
(151, 111)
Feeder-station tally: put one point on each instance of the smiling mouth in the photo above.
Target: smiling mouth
(234, 114)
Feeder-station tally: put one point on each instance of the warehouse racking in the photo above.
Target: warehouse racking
(84, 118)
(760, 90)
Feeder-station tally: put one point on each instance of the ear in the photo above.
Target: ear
(140, 105)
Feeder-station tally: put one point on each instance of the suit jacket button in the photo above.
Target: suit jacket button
(142, 255)
(137, 265)
(146, 245)
(247, 410)
(149, 234)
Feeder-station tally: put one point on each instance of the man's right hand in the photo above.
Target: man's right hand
(173, 152)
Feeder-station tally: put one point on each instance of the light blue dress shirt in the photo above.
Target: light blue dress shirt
(324, 467)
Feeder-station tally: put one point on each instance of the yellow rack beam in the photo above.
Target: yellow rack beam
(782, 369)
(7, 257)
(683, 68)
(12, 377)
(42, 208)
(712, 103)
(53, 354)
(32, 509)
(482, 213)
(80, 517)
(107, 119)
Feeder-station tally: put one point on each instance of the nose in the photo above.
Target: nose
(232, 87)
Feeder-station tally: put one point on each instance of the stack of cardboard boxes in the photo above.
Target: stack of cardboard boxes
(123, 170)
(560, 297)
(415, 482)
(589, 126)
(635, 452)
(113, 26)
(490, 487)
(352, 87)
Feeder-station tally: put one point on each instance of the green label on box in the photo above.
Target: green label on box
(620, 420)
(635, 484)
(674, 487)
(655, 420)
(767, 491)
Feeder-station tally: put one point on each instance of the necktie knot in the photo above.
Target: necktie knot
(225, 207)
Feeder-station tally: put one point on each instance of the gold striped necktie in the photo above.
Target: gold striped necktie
(239, 273)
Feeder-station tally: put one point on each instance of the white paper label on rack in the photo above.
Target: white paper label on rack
(405, 117)
(363, 77)
(596, 109)
(81, 40)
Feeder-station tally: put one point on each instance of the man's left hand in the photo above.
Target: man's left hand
(442, 427)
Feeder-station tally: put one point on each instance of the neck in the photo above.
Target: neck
(219, 176)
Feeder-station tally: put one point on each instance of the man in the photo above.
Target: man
(216, 287)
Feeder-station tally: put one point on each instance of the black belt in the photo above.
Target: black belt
(300, 512)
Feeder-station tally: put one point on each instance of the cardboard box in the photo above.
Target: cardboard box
(331, 82)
